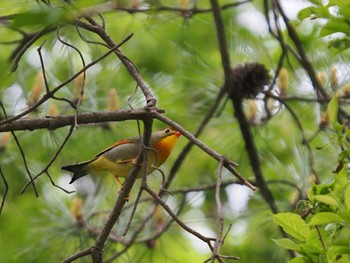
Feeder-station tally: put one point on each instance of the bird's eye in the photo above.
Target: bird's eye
(167, 130)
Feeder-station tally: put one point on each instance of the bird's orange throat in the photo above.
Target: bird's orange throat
(165, 146)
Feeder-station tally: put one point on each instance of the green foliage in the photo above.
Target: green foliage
(180, 59)
(322, 234)
(336, 13)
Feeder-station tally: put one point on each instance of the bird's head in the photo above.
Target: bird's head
(163, 141)
(163, 134)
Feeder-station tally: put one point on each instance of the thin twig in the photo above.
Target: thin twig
(158, 9)
(228, 163)
(21, 151)
(128, 64)
(177, 219)
(43, 67)
(26, 43)
(5, 191)
(46, 168)
(84, 74)
(305, 62)
(53, 91)
(219, 213)
(78, 255)
(178, 162)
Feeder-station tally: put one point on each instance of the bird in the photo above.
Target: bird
(119, 158)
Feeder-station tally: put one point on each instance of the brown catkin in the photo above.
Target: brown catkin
(53, 110)
(333, 78)
(80, 86)
(322, 78)
(283, 82)
(76, 210)
(324, 120)
(112, 100)
(37, 89)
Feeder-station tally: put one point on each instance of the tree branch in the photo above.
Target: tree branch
(52, 123)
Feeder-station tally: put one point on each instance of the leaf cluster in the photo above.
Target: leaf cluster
(336, 15)
(320, 232)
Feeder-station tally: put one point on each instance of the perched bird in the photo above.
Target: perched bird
(119, 158)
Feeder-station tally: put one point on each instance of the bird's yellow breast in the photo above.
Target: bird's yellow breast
(164, 147)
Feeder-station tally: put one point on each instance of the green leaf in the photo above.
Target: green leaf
(334, 26)
(286, 243)
(41, 17)
(316, 2)
(299, 260)
(347, 197)
(320, 189)
(325, 218)
(341, 3)
(334, 253)
(341, 177)
(326, 199)
(293, 225)
(332, 110)
(340, 43)
(306, 13)
(345, 215)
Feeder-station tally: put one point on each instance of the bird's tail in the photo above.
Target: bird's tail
(78, 170)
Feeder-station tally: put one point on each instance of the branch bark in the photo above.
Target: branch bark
(52, 123)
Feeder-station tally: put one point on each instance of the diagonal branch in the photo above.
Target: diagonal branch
(227, 163)
(129, 65)
(190, 144)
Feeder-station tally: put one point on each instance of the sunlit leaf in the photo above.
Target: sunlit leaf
(326, 199)
(293, 225)
(299, 260)
(332, 110)
(336, 253)
(316, 2)
(306, 13)
(334, 26)
(347, 197)
(325, 218)
(286, 243)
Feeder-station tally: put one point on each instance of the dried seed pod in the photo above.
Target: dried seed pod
(248, 80)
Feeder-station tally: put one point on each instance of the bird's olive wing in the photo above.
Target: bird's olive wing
(123, 150)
